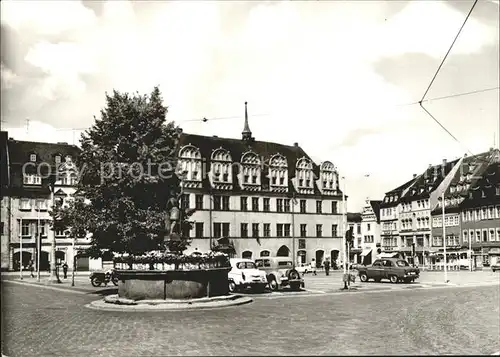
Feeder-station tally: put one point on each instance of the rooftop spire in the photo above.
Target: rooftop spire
(246, 134)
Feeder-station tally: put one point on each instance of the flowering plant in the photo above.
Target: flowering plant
(157, 257)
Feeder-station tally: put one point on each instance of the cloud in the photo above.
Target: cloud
(38, 131)
(9, 78)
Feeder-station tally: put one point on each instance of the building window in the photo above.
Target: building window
(25, 204)
(492, 235)
(198, 230)
(244, 230)
(302, 206)
(334, 207)
(319, 206)
(26, 229)
(287, 230)
(225, 203)
(33, 157)
(279, 230)
(185, 201)
(485, 235)
(368, 226)
(198, 201)
(359, 228)
(302, 244)
(491, 212)
(465, 236)
(319, 230)
(255, 204)
(244, 202)
(254, 179)
(217, 230)
(287, 205)
(41, 205)
(32, 179)
(217, 203)
(279, 205)
(267, 229)
(255, 230)
(303, 230)
(266, 204)
(282, 181)
(478, 236)
(301, 182)
(334, 230)
(225, 229)
(246, 178)
(273, 180)
(59, 233)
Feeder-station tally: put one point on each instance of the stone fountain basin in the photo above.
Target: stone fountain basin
(172, 284)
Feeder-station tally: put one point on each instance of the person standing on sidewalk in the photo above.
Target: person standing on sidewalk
(327, 267)
(31, 268)
(65, 270)
(313, 267)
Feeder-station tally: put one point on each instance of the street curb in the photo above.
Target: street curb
(46, 286)
(205, 304)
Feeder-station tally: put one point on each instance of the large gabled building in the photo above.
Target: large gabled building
(261, 198)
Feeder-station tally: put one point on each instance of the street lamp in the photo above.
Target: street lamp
(344, 226)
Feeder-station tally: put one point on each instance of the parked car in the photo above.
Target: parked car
(495, 267)
(280, 272)
(393, 269)
(302, 269)
(244, 274)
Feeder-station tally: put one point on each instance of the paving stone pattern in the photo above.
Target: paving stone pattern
(44, 322)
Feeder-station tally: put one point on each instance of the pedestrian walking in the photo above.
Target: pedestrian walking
(327, 267)
(313, 267)
(65, 270)
(31, 268)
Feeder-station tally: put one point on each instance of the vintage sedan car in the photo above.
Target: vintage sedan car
(495, 267)
(393, 269)
(280, 272)
(244, 274)
(303, 268)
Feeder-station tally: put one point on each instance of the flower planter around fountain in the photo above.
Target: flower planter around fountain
(190, 276)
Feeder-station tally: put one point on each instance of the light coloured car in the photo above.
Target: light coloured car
(280, 273)
(302, 268)
(244, 274)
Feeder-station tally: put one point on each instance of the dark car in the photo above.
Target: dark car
(392, 269)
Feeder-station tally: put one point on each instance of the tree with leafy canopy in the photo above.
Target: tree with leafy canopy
(127, 176)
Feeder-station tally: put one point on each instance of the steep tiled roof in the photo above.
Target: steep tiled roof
(395, 192)
(237, 147)
(376, 209)
(466, 178)
(485, 185)
(20, 151)
(354, 217)
(428, 181)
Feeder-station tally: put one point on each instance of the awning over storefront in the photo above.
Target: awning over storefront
(365, 252)
(387, 255)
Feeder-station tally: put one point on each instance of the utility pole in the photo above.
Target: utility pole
(294, 257)
(21, 249)
(38, 241)
(444, 239)
(344, 225)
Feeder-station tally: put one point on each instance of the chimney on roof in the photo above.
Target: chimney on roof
(246, 134)
(444, 162)
(215, 136)
(465, 155)
(414, 175)
(296, 145)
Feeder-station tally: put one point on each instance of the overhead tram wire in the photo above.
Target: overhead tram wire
(435, 76)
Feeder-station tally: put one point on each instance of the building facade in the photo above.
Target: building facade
(267, 199)
(354, 222)
(390, 209)
(40, 174)
(370, 230)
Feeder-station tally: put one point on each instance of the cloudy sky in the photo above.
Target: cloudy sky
(332, 76)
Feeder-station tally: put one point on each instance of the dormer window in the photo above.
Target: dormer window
(254, 179)
(308, 183)
(301, 182)
(190, 161)
(246, 178)
(33, 157)
(250, 172)
(282, 180)
(273, 180)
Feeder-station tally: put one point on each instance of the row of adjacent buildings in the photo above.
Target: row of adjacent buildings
(409, 220)
(257, 198)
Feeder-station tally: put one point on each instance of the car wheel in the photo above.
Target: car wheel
(394, 279)
(96, 282)
(363, 277)
(293, 274)
(273, 284)
(232, 287)
(295, 286)
(115, 281)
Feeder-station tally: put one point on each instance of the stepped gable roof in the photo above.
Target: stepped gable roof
(428, 181)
